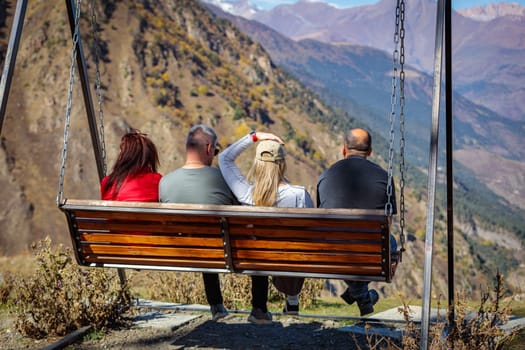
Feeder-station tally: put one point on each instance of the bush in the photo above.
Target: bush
(188, 288)
(61, 296)
(6, 286)
(480, 329)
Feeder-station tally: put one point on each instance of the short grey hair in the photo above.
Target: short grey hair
(193, 138)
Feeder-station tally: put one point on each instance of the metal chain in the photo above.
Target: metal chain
(402, 125)
(68, 105)
(98, 89)
(393, 101)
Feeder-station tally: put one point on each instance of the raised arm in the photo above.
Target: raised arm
(232, 174)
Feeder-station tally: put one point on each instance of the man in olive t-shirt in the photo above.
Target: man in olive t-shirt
(197, 182)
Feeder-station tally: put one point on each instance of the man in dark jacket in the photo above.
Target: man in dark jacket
(355, 182)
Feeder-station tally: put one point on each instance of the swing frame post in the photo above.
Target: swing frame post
(443, 34)
(449, 155)
(90, 110)
(10, 57)
(443, 37)
(86, 92)
(432, 171)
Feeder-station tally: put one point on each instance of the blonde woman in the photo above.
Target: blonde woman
(265, 185)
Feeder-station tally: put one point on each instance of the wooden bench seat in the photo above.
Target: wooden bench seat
(315, 243)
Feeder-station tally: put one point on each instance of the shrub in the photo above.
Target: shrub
(6, 286)
(180, 287)
(61, 296)
(188, 288)
(202, 90)
(470, 330)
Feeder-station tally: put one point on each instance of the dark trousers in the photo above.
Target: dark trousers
(288, 285)
(259, 292)
(359, 289)
(212, 287)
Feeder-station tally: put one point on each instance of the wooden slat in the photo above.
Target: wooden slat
(348, 247)
(306, 257)
(131, 226)
(222, 210)
(146, 216)
(311, 268)
(147, 261)
(192, 253)
(105, 238)
(248, 222)
(307, 233)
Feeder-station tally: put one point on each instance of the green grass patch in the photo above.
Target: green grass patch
(95, 335)
(518, 308)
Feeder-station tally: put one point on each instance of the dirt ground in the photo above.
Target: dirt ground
(232, 332)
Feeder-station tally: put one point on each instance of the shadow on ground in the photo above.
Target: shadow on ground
(236, 333)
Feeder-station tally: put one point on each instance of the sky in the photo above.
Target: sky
(457, 4)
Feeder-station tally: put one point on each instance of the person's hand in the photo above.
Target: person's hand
(268, 136)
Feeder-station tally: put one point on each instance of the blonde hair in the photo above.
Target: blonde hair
(265, 177)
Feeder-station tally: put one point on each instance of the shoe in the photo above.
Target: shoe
(218, 311)
(366, 306)
(258, 316)
(291, 309)
(347, 297)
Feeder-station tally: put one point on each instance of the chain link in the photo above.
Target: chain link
(402, 125)
(98, 89)
(393, 103)
(69, 103)
(398, 60)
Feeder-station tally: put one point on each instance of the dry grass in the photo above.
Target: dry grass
(188, 288)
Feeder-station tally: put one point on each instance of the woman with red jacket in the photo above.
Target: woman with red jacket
(134, 177)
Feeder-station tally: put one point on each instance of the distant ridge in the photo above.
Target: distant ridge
(491, 11)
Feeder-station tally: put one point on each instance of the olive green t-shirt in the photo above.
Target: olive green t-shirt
(195, 186)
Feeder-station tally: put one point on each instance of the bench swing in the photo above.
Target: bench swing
(349, 244)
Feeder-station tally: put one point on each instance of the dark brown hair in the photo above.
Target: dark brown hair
(138, 154)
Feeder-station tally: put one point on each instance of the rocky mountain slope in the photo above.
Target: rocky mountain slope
(165, 66)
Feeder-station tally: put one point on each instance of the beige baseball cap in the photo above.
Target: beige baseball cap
(269, 151)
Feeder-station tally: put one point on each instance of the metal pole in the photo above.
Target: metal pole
(449, 155)
(432, 171)
(10, 57)
(90, 111)
(88, 101)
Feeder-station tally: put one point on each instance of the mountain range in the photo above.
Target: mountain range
(492, 11)
(487, 52)
(355, 78)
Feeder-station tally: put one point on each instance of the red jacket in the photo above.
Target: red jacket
(141, 188)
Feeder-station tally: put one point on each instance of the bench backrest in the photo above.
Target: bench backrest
(317, 243)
